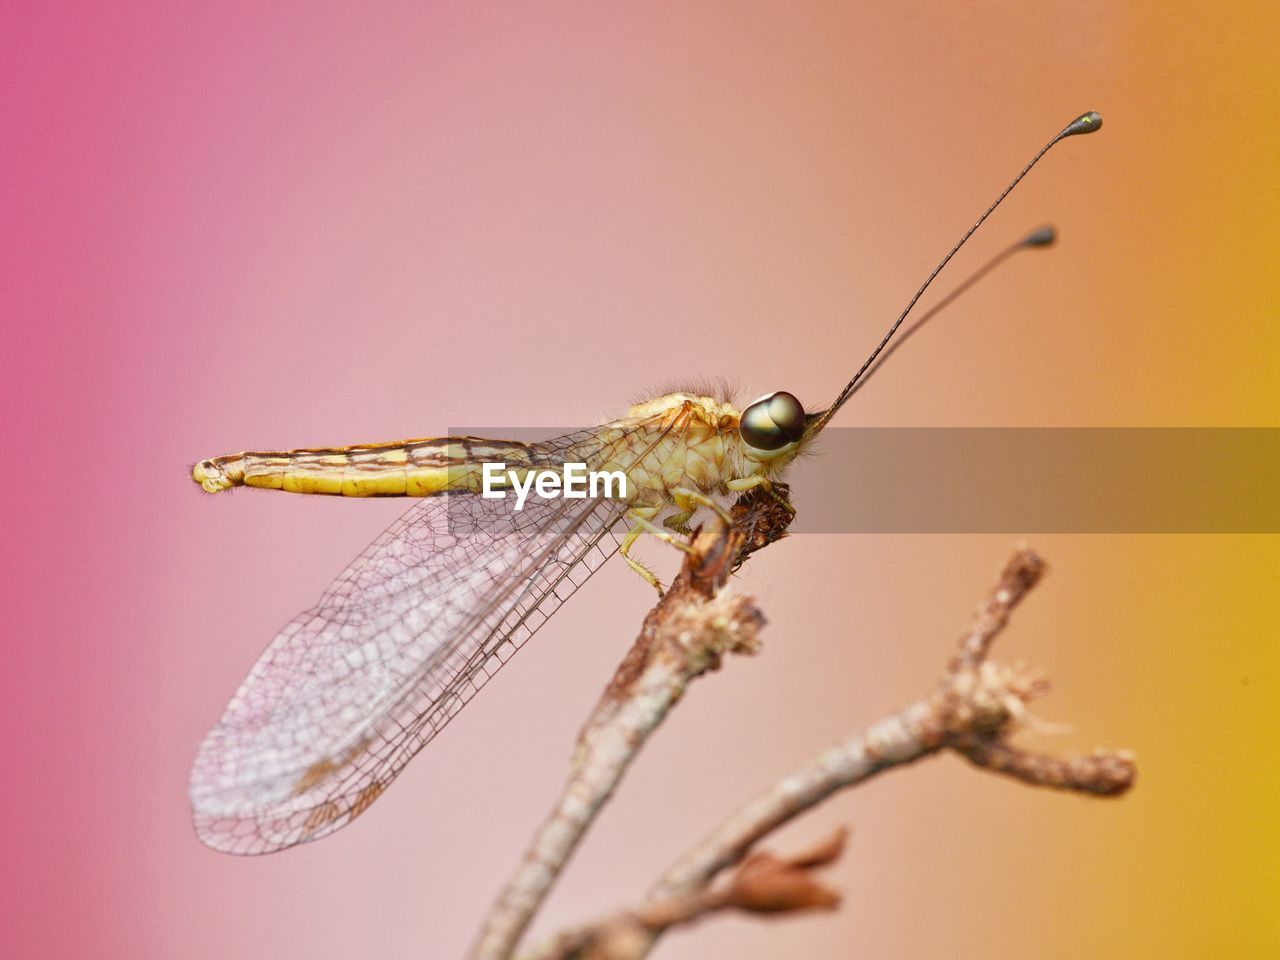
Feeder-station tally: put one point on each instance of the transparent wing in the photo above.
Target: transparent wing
(350, 690)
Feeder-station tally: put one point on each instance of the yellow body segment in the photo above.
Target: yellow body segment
(412, 468)
(678, 440)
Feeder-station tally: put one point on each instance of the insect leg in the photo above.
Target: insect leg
(688, 501)
(640, 517)
(744, 484)
(648, 526)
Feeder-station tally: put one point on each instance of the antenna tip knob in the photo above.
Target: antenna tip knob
(1043, 237)
(1085, 123)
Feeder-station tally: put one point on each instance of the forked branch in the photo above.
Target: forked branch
(975, 708)
(973, 711)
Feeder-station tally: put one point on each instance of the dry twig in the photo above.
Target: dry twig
(972, 712)
(762, 883)
(684, 636)
(974, 709)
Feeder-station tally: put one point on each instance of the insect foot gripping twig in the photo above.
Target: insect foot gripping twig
(686, 635)
(973, 711)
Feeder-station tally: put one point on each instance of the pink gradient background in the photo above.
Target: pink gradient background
(231, 227)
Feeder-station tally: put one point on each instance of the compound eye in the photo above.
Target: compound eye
(773, 422)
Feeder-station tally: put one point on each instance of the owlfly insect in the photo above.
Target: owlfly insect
(351, 689)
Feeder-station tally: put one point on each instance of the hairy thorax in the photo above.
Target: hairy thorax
(679, 440)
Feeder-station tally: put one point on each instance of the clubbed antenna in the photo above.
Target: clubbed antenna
(1085, 123)
(1039, 238)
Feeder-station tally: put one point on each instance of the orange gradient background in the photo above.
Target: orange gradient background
(242, 227)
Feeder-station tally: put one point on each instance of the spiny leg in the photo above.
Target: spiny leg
(640, 517)
(679, 522)
(688, 501)
(743, 484)
(655, 531)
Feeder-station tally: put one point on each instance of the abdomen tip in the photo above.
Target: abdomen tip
(220, 473)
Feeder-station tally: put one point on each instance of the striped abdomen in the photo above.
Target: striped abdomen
(410, 468)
